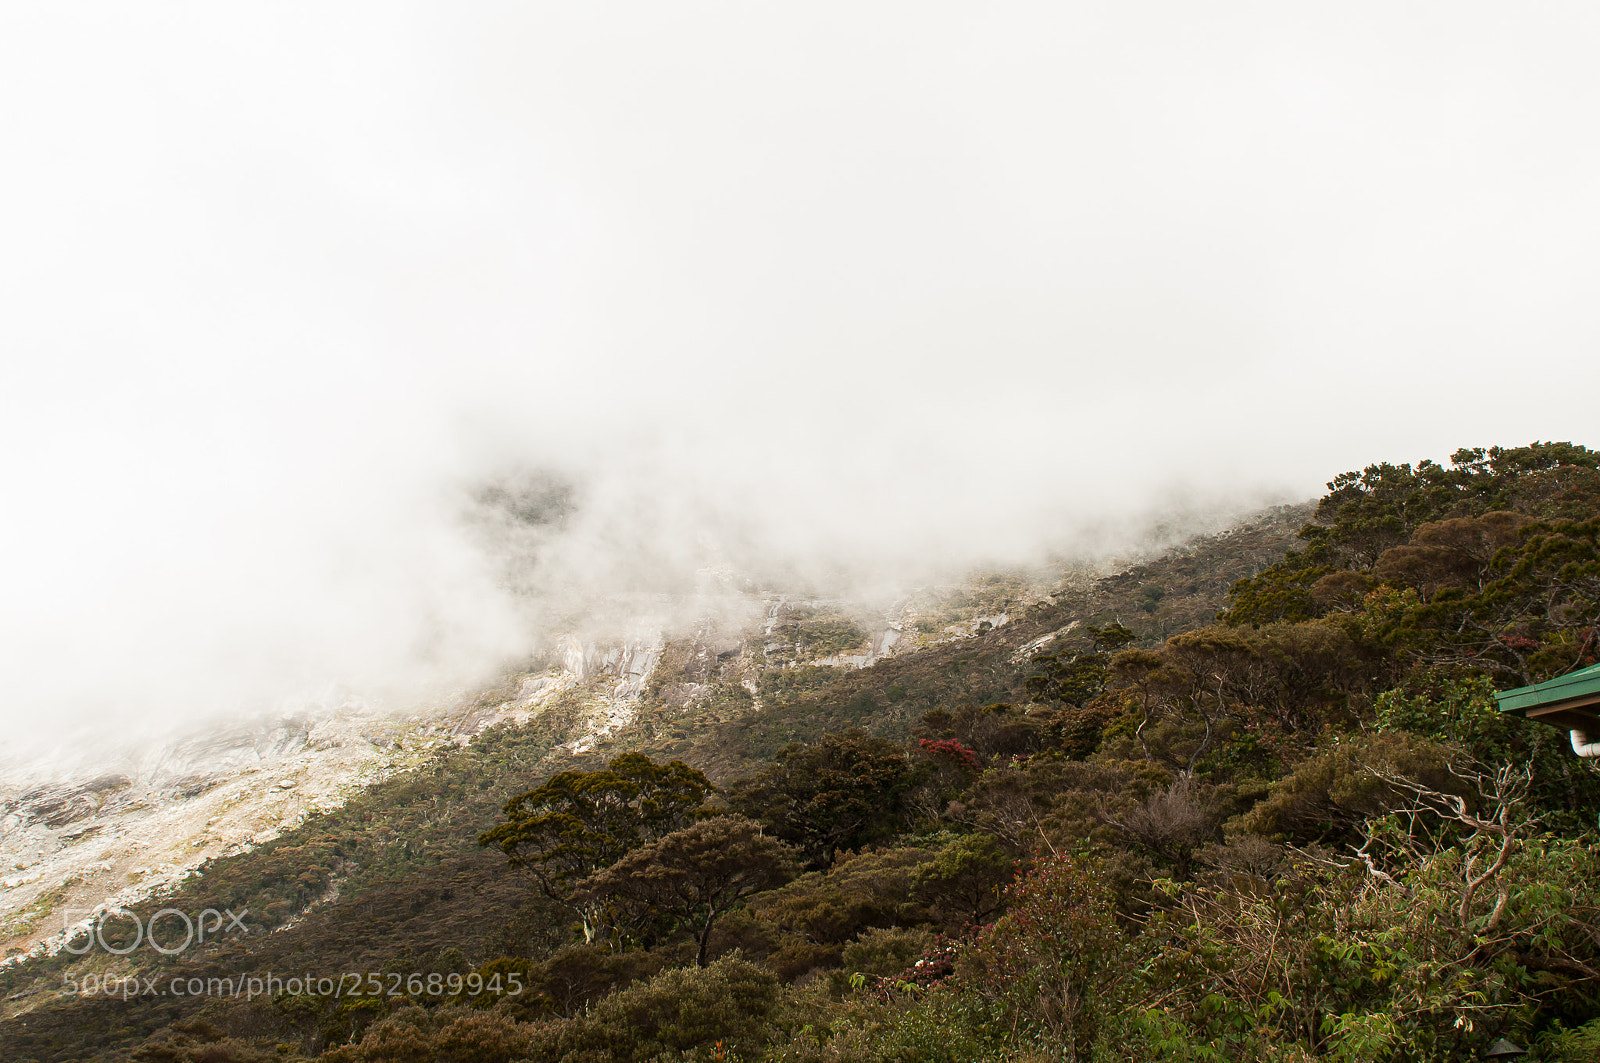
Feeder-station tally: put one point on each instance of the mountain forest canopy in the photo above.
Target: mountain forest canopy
(1287, 825)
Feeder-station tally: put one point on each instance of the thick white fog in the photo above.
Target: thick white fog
(872, 289)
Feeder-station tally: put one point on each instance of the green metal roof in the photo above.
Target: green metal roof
(1583, 684)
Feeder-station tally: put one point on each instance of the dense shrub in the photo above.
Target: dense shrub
(441, 1035)
(725, 1004)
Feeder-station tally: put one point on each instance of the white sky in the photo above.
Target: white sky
(867, 283)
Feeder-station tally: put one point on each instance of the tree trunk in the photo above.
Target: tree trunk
(705, 939)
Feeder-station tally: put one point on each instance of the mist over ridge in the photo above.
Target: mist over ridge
(421, 601)
(282, 309)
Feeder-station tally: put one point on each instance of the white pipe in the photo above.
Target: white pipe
(1582, 746)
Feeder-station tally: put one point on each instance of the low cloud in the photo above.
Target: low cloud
(303, 313)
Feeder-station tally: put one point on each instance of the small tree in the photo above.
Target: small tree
(838, 793)
(1048, 964)
(695, 875)
(965, 880)
(1078, 678)
(583, 820)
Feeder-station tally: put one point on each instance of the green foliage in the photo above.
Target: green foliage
(805, 925)
(807, 633)
(1071, 682)
(885, 951)
(583, 820)
(1458, 707)
(964, 883)
(200, 1042)
(1332, 791)
(440, 1035)
(1047, 970)
(825, 638)
(1533, 613)
(906, 1027)
(1075, 678)
(693, 876)
(969, 673)
(724, 1006)
(1369, 512)
(1295, 677)
(993, 732)
(1286, 592)
(841, 792)
(1561, 1045)
(566, 983)
(790, 684)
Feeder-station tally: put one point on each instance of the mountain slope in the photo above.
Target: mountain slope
(393, 875)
